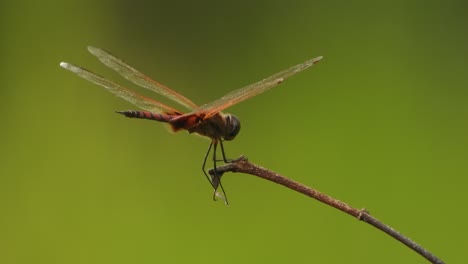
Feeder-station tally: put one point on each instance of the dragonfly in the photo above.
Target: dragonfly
(206, 120)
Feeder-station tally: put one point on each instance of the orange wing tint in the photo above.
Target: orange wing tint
(133, 97)
(249, 91)
(139, 78)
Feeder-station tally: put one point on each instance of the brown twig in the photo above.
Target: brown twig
(244, 166)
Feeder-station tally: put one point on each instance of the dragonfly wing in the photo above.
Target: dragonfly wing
(139, 78)
(127, 94)
(249, 91)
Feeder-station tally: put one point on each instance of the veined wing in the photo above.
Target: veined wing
(139, 78)
(127, 94)
(249, 91)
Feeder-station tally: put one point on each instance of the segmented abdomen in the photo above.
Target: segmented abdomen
(147, 115)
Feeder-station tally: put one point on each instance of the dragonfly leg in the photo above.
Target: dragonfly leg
(216, 179)
(204, 164)
(224, 155)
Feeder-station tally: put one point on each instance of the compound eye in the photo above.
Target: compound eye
(232, 127)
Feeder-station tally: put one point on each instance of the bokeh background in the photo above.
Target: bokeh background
(380, 123)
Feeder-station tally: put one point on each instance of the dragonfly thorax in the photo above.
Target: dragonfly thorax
(218, 126)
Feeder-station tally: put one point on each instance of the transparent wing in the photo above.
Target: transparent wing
(249, 91)
(127, 94)
(139, 78)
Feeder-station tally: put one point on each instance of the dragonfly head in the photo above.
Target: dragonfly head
(232, 127)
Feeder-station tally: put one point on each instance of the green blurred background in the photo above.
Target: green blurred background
(380, 123)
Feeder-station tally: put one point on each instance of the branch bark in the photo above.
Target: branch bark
(244, 166)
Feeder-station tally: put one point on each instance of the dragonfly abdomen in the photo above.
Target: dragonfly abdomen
(146, 115)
